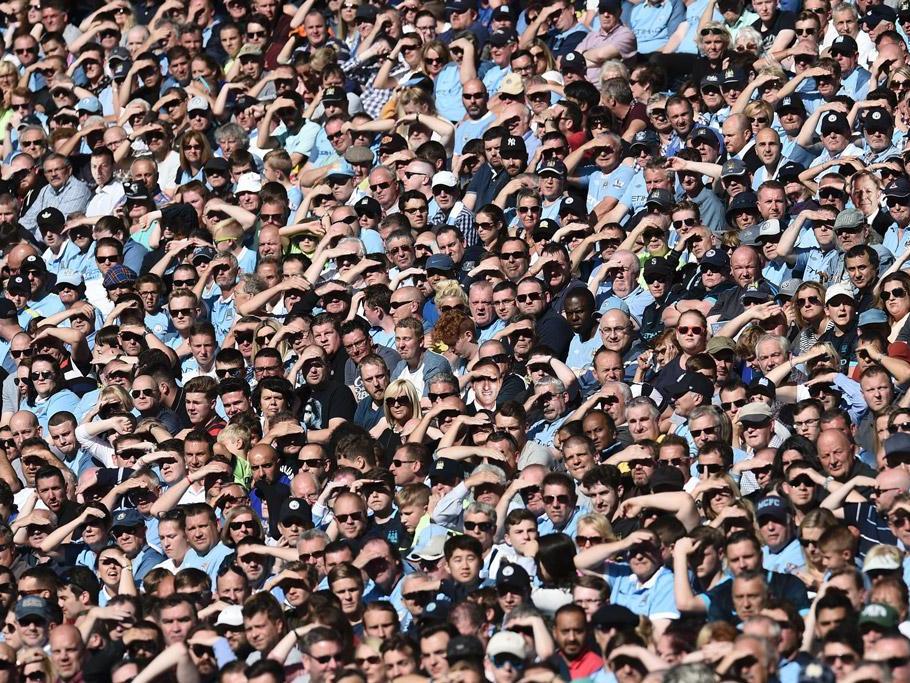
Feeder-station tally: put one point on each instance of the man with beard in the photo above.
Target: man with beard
(129, 531)
(478, 118)
(579, 312)
(571, 633)
(481, 190)
(535, 300)
(327, 398)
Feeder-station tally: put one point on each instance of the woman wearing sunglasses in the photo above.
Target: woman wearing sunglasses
(895, 300)
(401, 413)
(47, 392)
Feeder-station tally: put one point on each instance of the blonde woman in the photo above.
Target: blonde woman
(593, 529)
(401, 413)
(265, 335)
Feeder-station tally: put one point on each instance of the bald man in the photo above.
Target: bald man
(18, 254)
(418, 175)
(269, 483)
(475, 99)
(737, 134)
(407, 302)
(67, 652)
(745, 266)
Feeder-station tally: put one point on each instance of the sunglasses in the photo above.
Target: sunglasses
(353, 517)
(562, 499)
(485, 527)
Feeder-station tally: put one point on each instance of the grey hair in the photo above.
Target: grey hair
(845, 7)
(346, 241)
(444, 377)
(311, 534)
(483, 508)
(251, 283)
(695, 672)
(782, 341)
(547, 381)
(622, 388)
(233, 130)
(643, 401)
(613, 68)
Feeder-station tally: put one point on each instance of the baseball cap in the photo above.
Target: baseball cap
(773, 507)
(877, 120)
(513, 147)
(464, 647)
(717, 344)
(552, 167)
(839, 289)
(89, 104)
(33, 264)
(573, 62)
(844, 45)
(33, 606)
(334, 94)
(296, 508)
(19, 285)
(444, 179)
(69, 277)
(513, 576)
(769, 228)
(658, 266)
(694, 382)
(715, 257)
(754, 413)
(849, 218)
(899, 187)
(706, 134)
(762, 386)
(512, 85)
(666, 478)
(876, 613)
(506, 643)
(358, 154)
(391, 143)
(367, 206)
(197, 103)
(440, 262)
(645, 138)
(447, 471)
(431, 550)
(883, 561)
(232, 615)
(249, 182)
(661, 197)
(791, 103)
(127, 518)
(202, 254)
(789, 172)
(118, 274)
(615, 616)
(788, 287)
(874, 316)
(835, 122)
(733, 168)
(51, 219)
(503, 37)
(7, 309)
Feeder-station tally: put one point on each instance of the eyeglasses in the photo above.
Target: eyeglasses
(474, 95)
(707, 431)
(588, 540)
(239, 524)
(106, 259)
(528, 209)
(896, 427)
(531, 296)
(139, 393)
(513, 255)
(317, 555)
(485, 527)
(710, 468)
(21, 353)
(397, 401)
(353, 517)
(687, 222)
(258, 370)
(433, 60)
(696, 330)
(41, 376)
(372, 659)
(802, 481)
(562, 499)
(181, 312)
(713, 32)
(896, 293)
(846, 658)
(325, 659)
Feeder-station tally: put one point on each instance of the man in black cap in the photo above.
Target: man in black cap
(463, 16)
(514, 156)
(792, 115)
(835, 133)
(854, 78)
(878, 127)
(691, 389)
(658, 274)
(481, 190)
(897, 196)
(218, 175)
(42, 300)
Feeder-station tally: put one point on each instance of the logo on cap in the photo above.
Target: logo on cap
(294, 505)
(508, 571)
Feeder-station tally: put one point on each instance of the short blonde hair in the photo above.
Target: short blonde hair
(395, 389)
